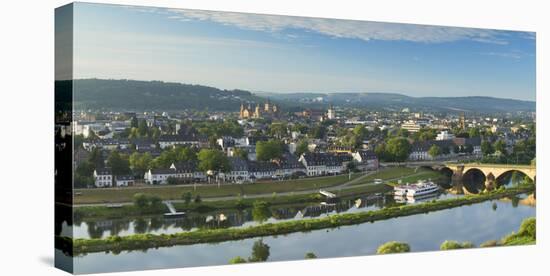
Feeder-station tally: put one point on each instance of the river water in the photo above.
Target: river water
(476, 223)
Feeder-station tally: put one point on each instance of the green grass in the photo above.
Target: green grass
(91, 212)
(392, 175)
(167, 192)
(102, 212)
(144, 241)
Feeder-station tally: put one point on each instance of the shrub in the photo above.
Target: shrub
(198, 199)
(141, 201)
(491, 243)
(449, 245)
(528, 228)
(310, 255)
(237, 260)
(393, 247)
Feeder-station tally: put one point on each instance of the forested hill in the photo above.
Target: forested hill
(393, 101)
(155, 95)
(167, 96)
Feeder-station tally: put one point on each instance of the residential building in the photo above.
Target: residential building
(103, 178)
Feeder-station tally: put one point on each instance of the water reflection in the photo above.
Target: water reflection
(476, 223)
(100, 228)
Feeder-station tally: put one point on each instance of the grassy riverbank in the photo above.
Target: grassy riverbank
(169, 192)
(144, 241)
(91, 212)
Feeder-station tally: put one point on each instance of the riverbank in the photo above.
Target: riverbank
(144, 241)
(102, 212)
(174, 192)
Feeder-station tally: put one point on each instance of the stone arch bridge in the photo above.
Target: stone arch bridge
(491, 172)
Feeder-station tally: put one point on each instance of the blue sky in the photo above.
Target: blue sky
(296, 54)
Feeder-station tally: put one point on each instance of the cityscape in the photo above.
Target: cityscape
(226, 168)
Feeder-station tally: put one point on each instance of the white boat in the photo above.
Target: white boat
(416, 189)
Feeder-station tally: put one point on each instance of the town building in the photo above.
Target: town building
(124, 180)
(103, 178)
(366, 160)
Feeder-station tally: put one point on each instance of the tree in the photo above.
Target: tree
(469, 149)
(360, 132)
(119, 163)
(434, 151)
(260, 211)
(140, 162)
(380, 151)
(240, 152)
(487, 148)
(393, 247)
(310, 255)
(425, 134)
(143, 130)
(141, 201)
(528, 228)
(198, 199)
(212, 160)
(187, 197)
(260, 252)
(318, 131)
(402, 133)
(301, 148)
(268, 150)
(96, 159)
(474, 132)
(278, 129)
(500, 146)
(398, 149)
(237, 260)
(134, 122)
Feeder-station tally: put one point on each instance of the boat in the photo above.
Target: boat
(416, 199)
(416, 189)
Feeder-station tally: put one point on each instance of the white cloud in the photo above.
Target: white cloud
(364, 30)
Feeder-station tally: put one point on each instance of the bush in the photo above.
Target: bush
(187, 197)
(198, 199)
(141, 201)
(310, 255)
(237, 260)
(393, 247)
(528, 228)
(491, 243)
(449, 245)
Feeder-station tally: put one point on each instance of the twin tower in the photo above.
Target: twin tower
(269, 110)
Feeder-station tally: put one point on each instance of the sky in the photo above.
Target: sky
(271, 53)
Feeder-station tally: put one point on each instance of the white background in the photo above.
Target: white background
(26, 133)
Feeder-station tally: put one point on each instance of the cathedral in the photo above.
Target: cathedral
(268, 110)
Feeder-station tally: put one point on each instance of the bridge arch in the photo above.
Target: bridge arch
(513, 175)
(473, 180)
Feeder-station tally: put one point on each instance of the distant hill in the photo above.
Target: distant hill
(393, 101)
(157, 95)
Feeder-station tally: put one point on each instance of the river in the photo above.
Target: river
(476, 223)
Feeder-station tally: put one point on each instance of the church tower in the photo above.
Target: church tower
(267, 106)
(257, 111)
(331, 113)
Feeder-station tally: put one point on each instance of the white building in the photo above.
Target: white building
(159, 176)
(124, 180)
(411, 126)
(103, 178)
(444, 135)
(366, 160)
